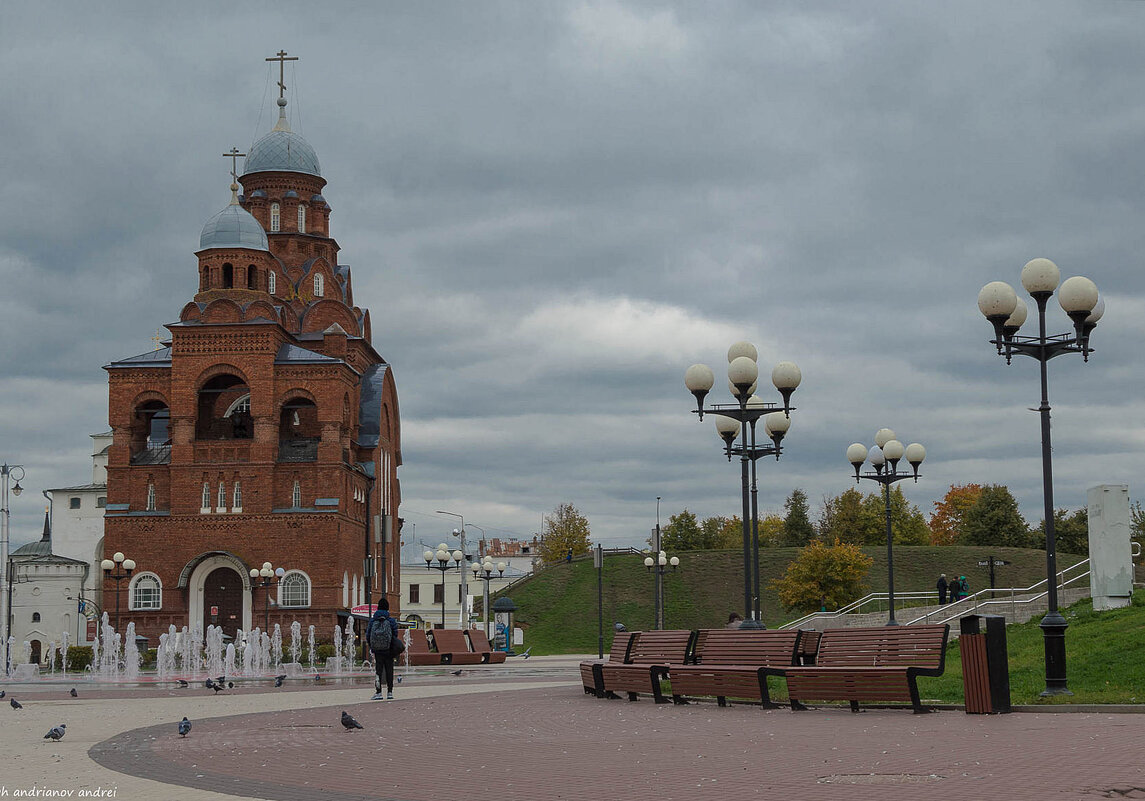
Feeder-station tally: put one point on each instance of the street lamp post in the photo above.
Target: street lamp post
(269, 575)
(885, 457)
(484, 571)
(460, 534)
(8, 472)
(657, 564)
(123, 568)
(442, 557)
(1080, 300)
(743, 373)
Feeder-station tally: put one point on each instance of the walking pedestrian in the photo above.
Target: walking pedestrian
(383, 648)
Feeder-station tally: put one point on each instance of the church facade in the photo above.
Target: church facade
(265, 430)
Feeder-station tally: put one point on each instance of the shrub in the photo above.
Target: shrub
(79, 658)
(150, 657)
(325, 651)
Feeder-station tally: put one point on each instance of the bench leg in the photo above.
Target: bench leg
(796, 706)
(722, 700)
(855, 706)
(679, 700)
(632, 696)
(598, 677)
(914, 699)
(764, 695)
(657, 689)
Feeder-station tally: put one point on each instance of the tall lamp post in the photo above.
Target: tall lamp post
(268, 575)
(885, 457)
(442, 557)
(460, 534)
(657, 564)
(8, 472)
(743, 373)
(122, 567)
(484, 571)
(1079, 299)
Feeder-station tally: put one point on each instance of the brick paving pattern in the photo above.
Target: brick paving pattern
(557, 743)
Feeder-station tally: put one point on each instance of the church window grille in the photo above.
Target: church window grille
(150, 497)
(222, 504)
(296, 496)
(294, 590)
(319, 287)
(237, 501)
(275, 217)
(146, 592)
(301, 218)
(271, 282)
(73, 503)
(206, 504)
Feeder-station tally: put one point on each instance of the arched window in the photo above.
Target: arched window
(271, 282)
(150, 496)
(301, 218)
(35, 617)
(294, 590)
(237, 501)
(275, 217)
(146, 592)
(228, 276)
(251, 276)
(222, 504)
(319, 287)
(296, 495)
(206, 502)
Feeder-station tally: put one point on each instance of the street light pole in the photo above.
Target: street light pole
(7, 472)
(460, 534)
(1000, 305)
(442, 557)
(484, 571)
(740, 419)
(885, 457)
(269, 575)
(123, 568)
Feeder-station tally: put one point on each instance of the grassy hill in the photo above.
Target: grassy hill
(558, 606)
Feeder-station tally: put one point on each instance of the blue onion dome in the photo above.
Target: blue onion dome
(257, 193)
(290, 193)
(233, 227)
(282, 150)
(317, 199)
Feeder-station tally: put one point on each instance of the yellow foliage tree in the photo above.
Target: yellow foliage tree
(823, 577)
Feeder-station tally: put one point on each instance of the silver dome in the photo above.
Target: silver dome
(233, 227)
(282, 151)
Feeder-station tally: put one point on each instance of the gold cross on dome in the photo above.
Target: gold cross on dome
(234, 157)
(158, 338)
(281, 58)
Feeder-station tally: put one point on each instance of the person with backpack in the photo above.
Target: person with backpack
(383, 637)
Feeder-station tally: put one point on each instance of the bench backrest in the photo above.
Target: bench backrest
(653, 647)
(809, 643)
(450, 641)
(479, 641)
(418, 642)
(887, 646)
(621, 643)
(754, 647)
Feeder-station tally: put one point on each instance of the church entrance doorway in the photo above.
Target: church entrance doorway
(223, 600)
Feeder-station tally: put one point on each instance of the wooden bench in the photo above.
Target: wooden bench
(590, 669)
(454, 648)
(480, 645)
(808, 647)
(870, 664)
(648, 661)
(418, 652)
(735, 663)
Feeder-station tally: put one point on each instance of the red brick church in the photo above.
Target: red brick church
(265, 430)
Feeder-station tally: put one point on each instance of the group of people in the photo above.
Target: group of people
(956, 590)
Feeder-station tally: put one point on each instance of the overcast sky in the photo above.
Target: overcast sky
(552, 209)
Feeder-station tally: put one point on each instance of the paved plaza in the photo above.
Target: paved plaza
(526, 730)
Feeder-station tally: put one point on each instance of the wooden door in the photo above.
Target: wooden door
(223, 590)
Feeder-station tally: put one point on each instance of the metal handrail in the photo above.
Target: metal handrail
(856, 606)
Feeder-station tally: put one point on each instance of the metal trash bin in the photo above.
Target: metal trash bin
(985, 666)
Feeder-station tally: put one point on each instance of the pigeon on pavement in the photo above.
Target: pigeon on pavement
(526, 654)
(182, 682)
(74, 694)
(56, 732)
(279, 679)
(456, 672)
(3, 693)
(16, 704)
(349, 722)
(212, 686)
(399, 679)
(317, 677)
(184, 727)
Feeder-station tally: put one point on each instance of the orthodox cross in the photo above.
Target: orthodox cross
(234, 157)
(158, 338)
(282, 58)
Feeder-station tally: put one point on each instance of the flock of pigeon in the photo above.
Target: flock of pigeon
(56, 733)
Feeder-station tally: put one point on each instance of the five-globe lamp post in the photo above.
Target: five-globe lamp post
(1080, 300)
(885, 458)
(123, 568)
(658, 565)
(442, 557)
(268, 575)
(743, 373)
(486, 571)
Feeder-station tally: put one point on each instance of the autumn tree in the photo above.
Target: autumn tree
(797, 528)
(566, 529)
(946, 522)
(771, 531)
(823, 577)
(681, 534)
(994, 519)
(908, 524)
(721, 532)
(1071, 531)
